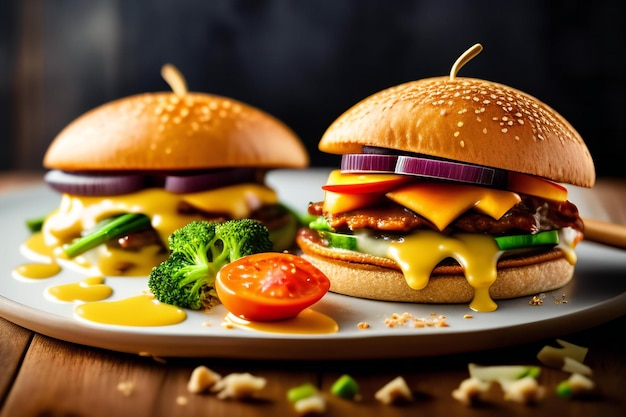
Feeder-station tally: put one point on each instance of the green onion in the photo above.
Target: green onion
(301, 392)
(345, 387)
(35, 224)
(112, 228)
(564, 390)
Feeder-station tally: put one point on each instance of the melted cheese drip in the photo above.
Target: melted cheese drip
(418, 254)
(89, 289)
(141, 310)
(78, 213)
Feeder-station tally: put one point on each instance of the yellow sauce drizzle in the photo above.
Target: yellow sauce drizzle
(38, 271)
(89, 289)
(141, 310)
(307, 322)
(418, 254)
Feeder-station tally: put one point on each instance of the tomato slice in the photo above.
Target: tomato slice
(540, 187)
(339, 182)
(270, 286)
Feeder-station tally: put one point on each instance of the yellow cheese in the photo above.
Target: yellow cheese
(79, 213)
(442, 203)
(476, 252)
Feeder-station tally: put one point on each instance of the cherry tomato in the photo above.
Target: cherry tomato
(270, 286)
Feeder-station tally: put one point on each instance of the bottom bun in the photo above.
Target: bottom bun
(523, 276)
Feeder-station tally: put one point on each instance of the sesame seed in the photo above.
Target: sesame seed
(462, 143)
(504, 130)
(460, 124)
(456, 134)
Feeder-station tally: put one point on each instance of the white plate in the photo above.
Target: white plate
(596, 294)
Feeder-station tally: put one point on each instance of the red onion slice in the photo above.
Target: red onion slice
(180, 184)
(93, 185)
(448, 170)
(368, 163)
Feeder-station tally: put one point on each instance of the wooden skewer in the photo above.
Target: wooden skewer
(605, 233)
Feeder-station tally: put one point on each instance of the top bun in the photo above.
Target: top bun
(166, 131)
(468, 120)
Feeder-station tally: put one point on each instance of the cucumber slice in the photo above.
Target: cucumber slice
(549, 237)
(340, 241)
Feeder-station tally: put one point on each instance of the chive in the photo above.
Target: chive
(564, 390)
(110, 229)
(345, 387)
(35, 224)
(301, 392)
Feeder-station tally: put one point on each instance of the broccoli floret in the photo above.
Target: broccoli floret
(198, 251)
(244, 237)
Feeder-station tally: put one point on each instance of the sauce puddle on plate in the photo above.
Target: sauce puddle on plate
(141, 310)
(89, 289)
(307, 322)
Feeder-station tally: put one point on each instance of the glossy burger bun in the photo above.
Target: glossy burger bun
(358, 277)
(170, 132)
(469, 120)
(459, 119)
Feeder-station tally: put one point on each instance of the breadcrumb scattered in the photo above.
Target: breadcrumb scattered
(408, 319)
(471, 391)
(238, 386)
(524, 390)
(363, 325)
(315, 404)
(202, 379)
(126, 388)
(468, 316)
(395, 391)
(227, 325)
(150, 355)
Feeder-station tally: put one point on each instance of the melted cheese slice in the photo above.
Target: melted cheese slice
(79, 213)
(442, 203)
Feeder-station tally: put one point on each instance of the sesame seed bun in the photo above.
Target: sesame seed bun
(170, 132)
(363, 276)
(468, 120)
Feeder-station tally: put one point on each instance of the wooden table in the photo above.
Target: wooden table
(41, 376)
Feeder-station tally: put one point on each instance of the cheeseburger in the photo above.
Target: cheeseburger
(450, 191)
(153, 162)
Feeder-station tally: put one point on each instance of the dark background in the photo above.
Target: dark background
(304, 61)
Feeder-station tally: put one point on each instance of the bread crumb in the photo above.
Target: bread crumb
(363, 325)
(408, 319)
(394, 392)
(524, 391)
(227, 325)
(126, 388)
(315, 404)
(471, 391)
(201, 379)
(238, 386)
(468, 316)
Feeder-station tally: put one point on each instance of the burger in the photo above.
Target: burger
(450, 190)
(151, 163)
